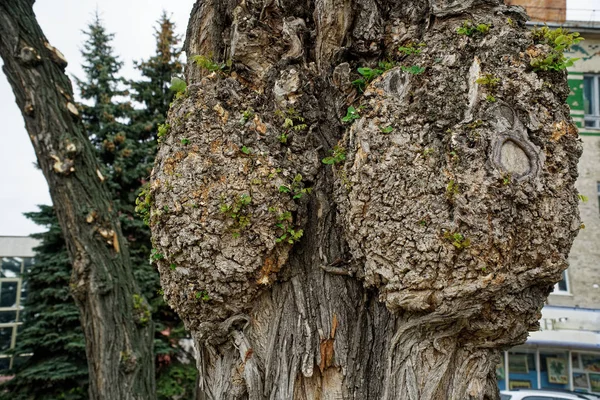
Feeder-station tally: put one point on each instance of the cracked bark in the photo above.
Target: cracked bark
(118, 349)
(429, 250)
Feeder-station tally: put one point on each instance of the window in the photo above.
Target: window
(586, 367)
(12, 294)
(591, 100)
(562, 287)
(522, 369)
(554, 369)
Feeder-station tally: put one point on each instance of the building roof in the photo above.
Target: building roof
(579, 26)
(17, 246)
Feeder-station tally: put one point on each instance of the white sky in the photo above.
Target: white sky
(22, 187)
(583, 10)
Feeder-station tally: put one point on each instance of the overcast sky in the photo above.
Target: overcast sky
(22, 187)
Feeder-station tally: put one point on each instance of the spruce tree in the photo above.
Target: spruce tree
(152, 92)
(125, 138)
(152, 95)
(108, 113)
(51, 331)
(104, 111)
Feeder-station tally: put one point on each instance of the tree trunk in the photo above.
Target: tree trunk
(115, 318)
(442, 204)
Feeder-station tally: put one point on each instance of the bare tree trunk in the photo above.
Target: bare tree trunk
(115, 318)
(430, 243)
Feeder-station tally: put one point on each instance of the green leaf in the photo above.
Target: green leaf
(245, 199)
(351, 115)
(245, 150)
(178, 85)
(365, 71)
(560, 39)
(328, 160)
(415, 69)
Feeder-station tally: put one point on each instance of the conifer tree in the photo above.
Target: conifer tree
(153, 96)
(51, 332)
(105, 115)
(153, 90)
(108, 113)
(153, 93)
(125, 138)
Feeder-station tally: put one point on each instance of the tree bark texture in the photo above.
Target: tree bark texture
(428, 246)
(115, 318)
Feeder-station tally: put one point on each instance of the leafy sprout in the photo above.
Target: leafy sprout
(413, 69)
(178, 85)
(202, 295)
(469, 28)
(559, 40)
(338, 154)
(351, 115)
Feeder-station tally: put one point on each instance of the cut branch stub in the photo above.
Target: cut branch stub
(512, 153)
(514, 159)
(397, 83)
(29, 56)
(56, 56)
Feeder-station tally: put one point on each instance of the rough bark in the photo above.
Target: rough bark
(115, 318)
(427, 251)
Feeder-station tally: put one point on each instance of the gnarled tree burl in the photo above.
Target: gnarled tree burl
(430, 240)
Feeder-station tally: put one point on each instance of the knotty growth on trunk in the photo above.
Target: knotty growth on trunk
(386, 251)
(115, 317)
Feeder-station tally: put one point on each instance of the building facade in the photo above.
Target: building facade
(543, 10)
(16, 255)
(565, 353)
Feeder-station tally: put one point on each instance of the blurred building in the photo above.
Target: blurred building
(16, 254)
(543, 10)
(565, 353)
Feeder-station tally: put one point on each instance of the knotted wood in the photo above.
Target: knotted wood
(436, 226)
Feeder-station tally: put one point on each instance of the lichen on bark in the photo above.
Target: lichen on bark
(511, 180)
(230, 194)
